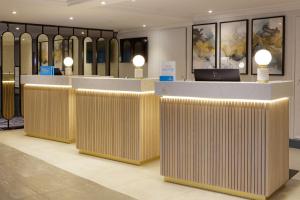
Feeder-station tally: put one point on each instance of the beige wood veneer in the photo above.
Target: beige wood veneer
(235, 147)
(120, 126)
(49, 112)
(8, 97)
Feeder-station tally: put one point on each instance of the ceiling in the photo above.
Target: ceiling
(127, 14)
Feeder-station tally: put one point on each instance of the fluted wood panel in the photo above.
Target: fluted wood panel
(119, 126)
(8, 96)
(234, 145)
(49, 113)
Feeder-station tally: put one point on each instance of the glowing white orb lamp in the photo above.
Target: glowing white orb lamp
(68, 62)
(263, 58)
(138, 61)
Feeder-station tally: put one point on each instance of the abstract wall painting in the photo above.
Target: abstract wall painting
(204, 46)
(269, 33)
(234, 45)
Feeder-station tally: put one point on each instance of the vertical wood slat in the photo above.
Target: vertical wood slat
(49, 113)
(8, 97)
(237, 145)
(118, 126)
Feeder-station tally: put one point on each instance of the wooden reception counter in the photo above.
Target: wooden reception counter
(117, 119)
(49, 107)
(227, 137)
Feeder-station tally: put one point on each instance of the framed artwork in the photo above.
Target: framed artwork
(234, 45)
(204, 46)
(269, 33)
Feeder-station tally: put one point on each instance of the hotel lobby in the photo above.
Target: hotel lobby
(149, 100)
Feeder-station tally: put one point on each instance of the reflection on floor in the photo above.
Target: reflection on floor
(16, 122)
(25, 177)
(143, 182)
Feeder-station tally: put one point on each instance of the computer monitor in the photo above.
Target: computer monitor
(230, 75)
(57, 72)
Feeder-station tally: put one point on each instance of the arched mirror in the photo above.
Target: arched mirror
(73, 53)
(43, 50)
(139, 48)
(8, 75)
(114, 58)
(26, 54)
(26, 61)
(101, 57)
(88, 56)
(58, 51)
(127, 54)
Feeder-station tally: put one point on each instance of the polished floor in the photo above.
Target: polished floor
(25, 177)
(143, 182)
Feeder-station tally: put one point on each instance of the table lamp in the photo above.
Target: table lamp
(68, 62)
(138, 62)
(263, 58)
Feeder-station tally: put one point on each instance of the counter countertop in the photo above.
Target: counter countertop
(226, 90)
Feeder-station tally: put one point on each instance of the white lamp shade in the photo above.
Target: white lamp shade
(138, 61)
(263, 57)
(68, 61)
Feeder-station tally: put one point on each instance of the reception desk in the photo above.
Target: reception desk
(117, 119)
(49, 107)
(227, 137)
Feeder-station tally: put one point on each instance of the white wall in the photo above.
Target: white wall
(176, 44)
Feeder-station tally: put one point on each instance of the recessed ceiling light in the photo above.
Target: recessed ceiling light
(103, 3)
(17, 28)
(71, 18)
(14, 12)
(132, 0)
(144, 25)
(210, 11)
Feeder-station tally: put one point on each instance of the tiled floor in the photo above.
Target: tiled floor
(143, 182)
(26, 177)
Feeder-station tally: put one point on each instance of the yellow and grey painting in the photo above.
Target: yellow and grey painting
(204, 46)
(268, 34)
(234, 45)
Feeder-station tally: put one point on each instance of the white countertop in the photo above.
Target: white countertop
(46, 80)
(92, 82)
(132, 85)
(226, 90)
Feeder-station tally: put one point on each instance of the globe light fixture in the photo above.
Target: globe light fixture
(68, 62)
(263, 58)
(138, 61)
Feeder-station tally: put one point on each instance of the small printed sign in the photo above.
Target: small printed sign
(47, 70)
(168, 71)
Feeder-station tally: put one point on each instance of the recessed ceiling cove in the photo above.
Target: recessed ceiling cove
(130, 14)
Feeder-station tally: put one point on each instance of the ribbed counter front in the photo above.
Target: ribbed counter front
(117, 119)
(49, 108)
(227, 137)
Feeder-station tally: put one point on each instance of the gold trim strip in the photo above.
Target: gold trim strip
(215, 189)
(51, 138)
(124, 160)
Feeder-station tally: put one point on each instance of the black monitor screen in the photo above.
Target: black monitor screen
(217, 75)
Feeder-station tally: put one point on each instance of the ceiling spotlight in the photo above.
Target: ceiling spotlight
(103, 3)
(210, 11)
(17, 28)
(71, 18)
(14, 12)
(144, 25)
